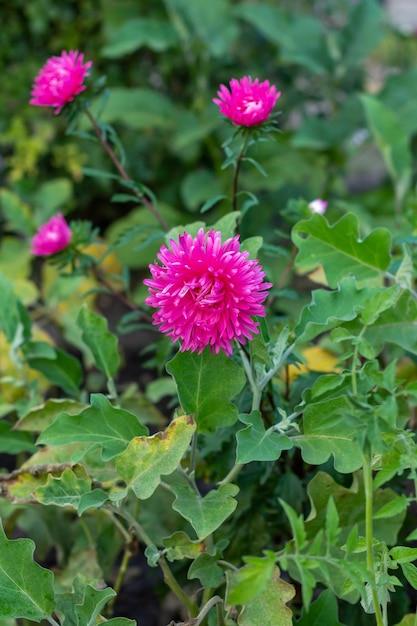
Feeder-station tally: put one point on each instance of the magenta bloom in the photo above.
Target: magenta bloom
(60, 80)
(249, 102)
(52, 237)
(318, 206)
(206, 292)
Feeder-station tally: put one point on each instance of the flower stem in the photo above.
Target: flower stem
(237, 170)
(367, 480)
(123, 172)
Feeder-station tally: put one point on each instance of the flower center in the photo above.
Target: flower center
(251, 106)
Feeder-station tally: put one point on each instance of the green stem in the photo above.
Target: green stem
(123, 172)
(235, 471)
(120, 578)
(206, 608)
(368, 486)
(51, 620)
(237, 170)
(168, 575)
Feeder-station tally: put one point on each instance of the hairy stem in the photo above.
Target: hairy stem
(123, 172)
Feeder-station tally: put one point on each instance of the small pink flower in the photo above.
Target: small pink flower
(52, 237)
(206, 292)
(249, 102)
(318, 206)
(60, 80)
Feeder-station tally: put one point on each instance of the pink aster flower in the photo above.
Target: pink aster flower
(60, 80)
(206, 292)
(249, 102)
(318, 206)
(52, 237)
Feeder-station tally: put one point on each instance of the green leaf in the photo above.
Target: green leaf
(180, 546)
(66, 489)
(51, 196)
(329, 308)
(327, 431)
(37, 419)
(17, 213)
(323, 612)
(205, 568)
(136, 33)
(205, 514)
(395, 325)
(9, 310)
(101, 423)
(350, 505)
(269, 607)
(392, 140)
(399, 505)
(210, 24)
(138, 108)
(199, 186)
(410, 573)
(340, 250)
(63, 370)
(362, 33)
(227, 224)
(251, 579)
(147, 458)
(102, 343)
(403, 554)
(13, 442)
(206, 383)
(254, 443)
(26, 588)
(94, 600)
(301, 38)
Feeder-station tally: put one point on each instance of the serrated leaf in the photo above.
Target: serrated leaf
(66, 489)
(102, 343)
(146, 459)
(254, 443)
(329, 308)
(327, 431)
(101, 423)
(206, 383)
(340, 250)
(403, 554)
(205, 514)
(396, 325)
(26, 588)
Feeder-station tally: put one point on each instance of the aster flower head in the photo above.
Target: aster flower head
(248, 102)
(318, 206)
(52, 237)
(206, 292)
(60, 80)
